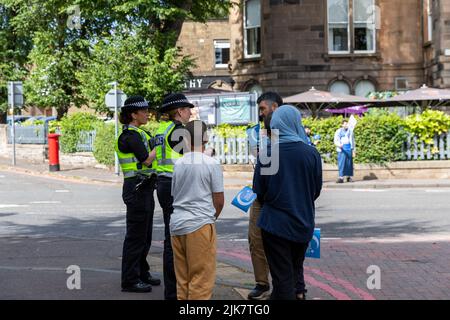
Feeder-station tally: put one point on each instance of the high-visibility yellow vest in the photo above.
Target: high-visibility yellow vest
(129, 163)
(165, 155)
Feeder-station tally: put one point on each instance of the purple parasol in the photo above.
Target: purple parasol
(353, 110)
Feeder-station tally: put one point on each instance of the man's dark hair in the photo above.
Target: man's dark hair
(271, 96)
(196, 130)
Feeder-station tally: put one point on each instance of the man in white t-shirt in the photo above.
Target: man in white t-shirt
(198, 193)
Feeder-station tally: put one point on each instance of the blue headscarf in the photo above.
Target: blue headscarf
(288, 120)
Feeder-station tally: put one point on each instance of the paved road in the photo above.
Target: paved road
(46, 225)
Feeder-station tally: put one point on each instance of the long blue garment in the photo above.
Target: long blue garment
(345, 163)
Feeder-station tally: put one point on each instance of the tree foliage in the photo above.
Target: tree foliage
(68, 51)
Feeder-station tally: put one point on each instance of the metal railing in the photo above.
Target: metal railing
(86, 142)
(29, 134)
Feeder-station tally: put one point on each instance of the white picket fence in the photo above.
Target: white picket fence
(234, 150)
(415, 149)
(231, 150)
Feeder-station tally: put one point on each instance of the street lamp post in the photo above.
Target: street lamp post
(114, 104)
(13, 126)
(116, 124)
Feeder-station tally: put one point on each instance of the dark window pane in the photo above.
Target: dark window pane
(364, 38)
(225, 55)
(253, 41)
(218, 56)
(339, 37)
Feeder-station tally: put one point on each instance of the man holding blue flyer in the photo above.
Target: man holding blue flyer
(287, 197)
(268, 103)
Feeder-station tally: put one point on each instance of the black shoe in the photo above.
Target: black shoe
(150, 280)
(138, 287)
(260, 292)
(349, 179)
(340, 180)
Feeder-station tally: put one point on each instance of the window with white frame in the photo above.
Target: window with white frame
(338, 26)
(364, 25)
(222, 53)
(252, 28)
(356, 37)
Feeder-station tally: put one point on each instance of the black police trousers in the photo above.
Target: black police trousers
(140, 208)
(165, 199)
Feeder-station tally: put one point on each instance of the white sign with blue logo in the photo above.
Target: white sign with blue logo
(313, 250)
(244, 199)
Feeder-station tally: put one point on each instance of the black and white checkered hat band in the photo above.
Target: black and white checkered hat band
(175, 102)
(140, 104)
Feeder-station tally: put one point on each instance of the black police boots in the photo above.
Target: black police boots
(150, 280)
(139, 287)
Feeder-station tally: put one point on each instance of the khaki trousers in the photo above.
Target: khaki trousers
(195, 263)
(259, 261)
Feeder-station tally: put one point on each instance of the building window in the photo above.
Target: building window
(357, 37)
(256, 88)
(364, 87)
(401, 84)
(252, 29)
(429, 20)
(222, 53)
(340, 87)
(338, 26)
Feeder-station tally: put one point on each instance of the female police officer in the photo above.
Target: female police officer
(136, 159)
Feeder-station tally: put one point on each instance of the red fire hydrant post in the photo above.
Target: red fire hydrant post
(53, 152)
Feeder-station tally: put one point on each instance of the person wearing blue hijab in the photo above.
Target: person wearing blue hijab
(288, 120)
(287, 197)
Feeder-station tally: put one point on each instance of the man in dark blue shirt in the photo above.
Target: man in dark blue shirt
(287, 196)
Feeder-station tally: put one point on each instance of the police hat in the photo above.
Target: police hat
(174, 101)
(135, 103)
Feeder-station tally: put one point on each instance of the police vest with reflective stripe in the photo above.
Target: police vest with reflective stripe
(165, 155)
(129, 163)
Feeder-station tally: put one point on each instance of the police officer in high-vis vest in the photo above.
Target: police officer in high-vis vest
(137, 160)
(169, 147)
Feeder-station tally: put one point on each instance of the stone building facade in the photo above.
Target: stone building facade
(352, 46)
(209, 45)
(436, 23)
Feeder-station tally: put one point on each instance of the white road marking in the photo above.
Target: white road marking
(62, 191)
(438, 191)
(368, 190)
(45, 202)
(13, 206)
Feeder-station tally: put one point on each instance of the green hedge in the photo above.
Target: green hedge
(105, 141)
(379, 135)
(71, 128)
(104, 144)
(379, 138)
